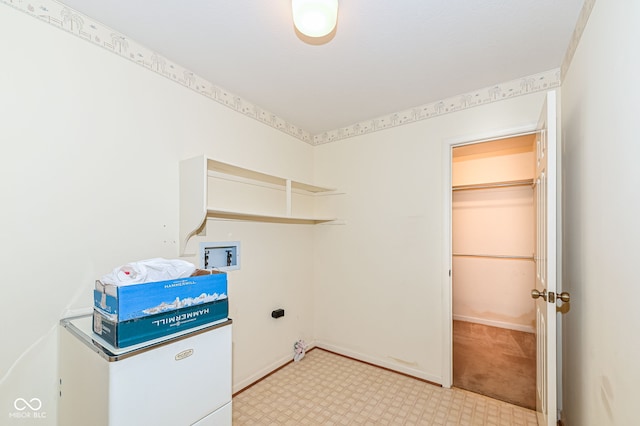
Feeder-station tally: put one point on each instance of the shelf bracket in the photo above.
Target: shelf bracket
(288, 192)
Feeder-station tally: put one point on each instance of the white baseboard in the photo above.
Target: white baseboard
(492, 323)
(341, 351)
(266, 371)
(380, 362)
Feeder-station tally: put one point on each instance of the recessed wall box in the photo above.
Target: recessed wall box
(223, 256)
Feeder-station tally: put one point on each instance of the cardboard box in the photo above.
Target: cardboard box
(125, 303)
(121, 334)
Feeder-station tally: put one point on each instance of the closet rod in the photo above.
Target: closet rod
(495, 256)
(525, 182)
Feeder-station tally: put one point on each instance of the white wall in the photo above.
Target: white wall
(90, 150)
(600, 96)
(378, 288)
(499, 166)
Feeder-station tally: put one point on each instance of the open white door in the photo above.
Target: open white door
(545, 257)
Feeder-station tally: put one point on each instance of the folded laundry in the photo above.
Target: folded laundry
(150, 270)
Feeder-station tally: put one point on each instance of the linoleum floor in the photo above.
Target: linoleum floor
(328, 389)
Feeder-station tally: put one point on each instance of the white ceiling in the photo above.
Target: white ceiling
(385, 56)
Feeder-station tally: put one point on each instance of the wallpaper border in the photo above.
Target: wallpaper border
(581, 24)
(522, 86)
(82, 26)
(88, 29)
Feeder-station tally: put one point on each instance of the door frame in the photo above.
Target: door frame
(447, 296)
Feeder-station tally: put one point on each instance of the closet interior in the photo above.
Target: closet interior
(493, 224)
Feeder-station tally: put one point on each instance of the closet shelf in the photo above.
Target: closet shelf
(257, 217)
(213, 189)
(495, 256)
(253, 175)
(491, 185)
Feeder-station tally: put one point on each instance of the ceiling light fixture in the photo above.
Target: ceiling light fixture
(315, 18)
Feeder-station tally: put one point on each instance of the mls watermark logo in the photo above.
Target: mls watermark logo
(28, 409)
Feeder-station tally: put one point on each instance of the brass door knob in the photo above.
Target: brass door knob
(564, 296)
(536, 294)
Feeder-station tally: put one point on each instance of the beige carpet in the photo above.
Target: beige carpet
(495, 362)
(329, 389)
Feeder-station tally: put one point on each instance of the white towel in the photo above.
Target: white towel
(150, 270)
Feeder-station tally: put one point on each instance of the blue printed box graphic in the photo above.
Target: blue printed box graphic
(123, 303)
(140, 330)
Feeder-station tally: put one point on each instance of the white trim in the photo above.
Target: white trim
(447, 267)
(380, 362)
(264, 372)
(499, 324)
(491, 136)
